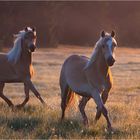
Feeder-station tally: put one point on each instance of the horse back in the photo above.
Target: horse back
(75, 62)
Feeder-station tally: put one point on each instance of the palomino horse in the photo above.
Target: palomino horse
(89, 78)
(16, 65)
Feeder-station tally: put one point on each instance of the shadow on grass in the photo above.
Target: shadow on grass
(57, 129)
(19, 120)
(23, 123)
(3, 120)
(74, 129)
(66, 130)
(117, 134)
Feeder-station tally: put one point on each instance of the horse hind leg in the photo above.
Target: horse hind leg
(8, 101)
(26, 90)
(82, 105)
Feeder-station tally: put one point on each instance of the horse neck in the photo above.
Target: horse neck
(26, 58)
(100, 65)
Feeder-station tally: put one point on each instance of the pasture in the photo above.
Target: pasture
(37, 121)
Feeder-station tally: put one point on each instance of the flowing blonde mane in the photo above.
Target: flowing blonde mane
(94, 53)
(96, 50)
(14, 54)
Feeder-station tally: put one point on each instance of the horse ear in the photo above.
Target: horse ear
(113, 33)
(33, 29)
(103, 34)
(26, 29)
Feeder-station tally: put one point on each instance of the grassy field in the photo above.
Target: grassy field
(36, 121)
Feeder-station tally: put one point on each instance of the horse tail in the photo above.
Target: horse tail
(72, 99)
(68, 97)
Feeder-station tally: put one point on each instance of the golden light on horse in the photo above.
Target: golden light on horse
(16, 65)
(89, 77)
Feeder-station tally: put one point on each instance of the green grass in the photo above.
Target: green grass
(35, 121)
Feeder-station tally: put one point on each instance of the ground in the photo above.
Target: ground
(37, 121)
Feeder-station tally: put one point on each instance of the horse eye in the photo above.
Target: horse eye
(103, 46)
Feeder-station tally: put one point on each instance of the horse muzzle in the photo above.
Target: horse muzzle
(32, 47)
(110, 61)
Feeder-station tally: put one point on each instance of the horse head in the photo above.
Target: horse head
(25, 41)
(108, 45)
(29, 39)
(105, 46)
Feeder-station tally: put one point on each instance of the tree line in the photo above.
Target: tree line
(69, 22)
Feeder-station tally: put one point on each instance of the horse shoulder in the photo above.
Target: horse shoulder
(94, 79)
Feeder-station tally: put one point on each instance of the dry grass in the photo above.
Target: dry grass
(35, 121)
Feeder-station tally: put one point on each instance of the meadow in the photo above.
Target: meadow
(35, 121)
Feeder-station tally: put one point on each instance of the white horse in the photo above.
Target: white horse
(90, 78)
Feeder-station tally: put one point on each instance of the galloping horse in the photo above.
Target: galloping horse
(16, 65)
(89, 78)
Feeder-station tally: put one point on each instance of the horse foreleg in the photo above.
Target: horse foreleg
(101, 107)
(105, 113)
(9, 102)
(82, 105)
(104, 96)
(26, 90)
(104, 99)
(33, 89)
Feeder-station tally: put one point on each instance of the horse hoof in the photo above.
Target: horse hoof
(85, 122)
(109, 130)
(95, 121)
(18, 106)
(13, 108)
(61, 120)
(43, 103)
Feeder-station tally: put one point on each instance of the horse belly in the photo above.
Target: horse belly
(75, 75)
(7, 72)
